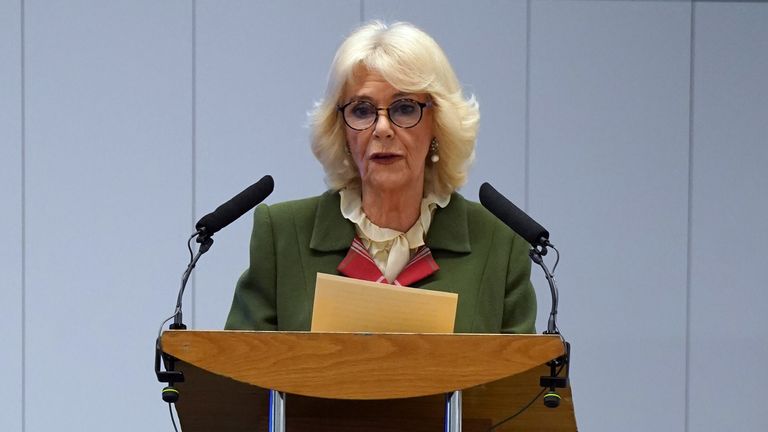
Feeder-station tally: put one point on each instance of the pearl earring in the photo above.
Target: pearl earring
(433, 147)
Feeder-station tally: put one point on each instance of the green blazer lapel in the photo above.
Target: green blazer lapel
(331, 232)
(450, 228)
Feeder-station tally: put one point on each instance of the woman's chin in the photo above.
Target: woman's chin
(390, 181)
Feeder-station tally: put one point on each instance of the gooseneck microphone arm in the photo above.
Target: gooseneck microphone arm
(211, 223)
(531, 231)
(536, 257)
(538, 238)
(206, 227)
(205, 244)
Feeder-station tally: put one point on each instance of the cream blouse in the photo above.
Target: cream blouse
(391, 249)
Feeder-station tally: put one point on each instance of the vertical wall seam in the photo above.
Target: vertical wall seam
(527, 138)
(690, 217)
(23, 119)
(193, 125)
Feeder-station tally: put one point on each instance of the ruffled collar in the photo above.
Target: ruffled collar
(390, 249)
(352, 209)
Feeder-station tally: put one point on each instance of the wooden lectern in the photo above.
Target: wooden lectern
(363, 381)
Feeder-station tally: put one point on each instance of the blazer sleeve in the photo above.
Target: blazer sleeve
(519, 297)
(254, 304)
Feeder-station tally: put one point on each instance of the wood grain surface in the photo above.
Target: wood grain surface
(361, 366)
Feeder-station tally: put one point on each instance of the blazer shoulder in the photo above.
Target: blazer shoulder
(480, 218)
(294, 207)
(301, 211)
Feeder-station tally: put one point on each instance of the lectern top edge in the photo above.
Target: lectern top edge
(361, 365)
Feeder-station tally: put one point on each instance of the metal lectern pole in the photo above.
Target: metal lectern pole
(453, 412)
(276, 411)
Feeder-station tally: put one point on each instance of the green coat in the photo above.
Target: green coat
(480, 258)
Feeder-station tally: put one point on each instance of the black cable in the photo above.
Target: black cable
(190, 265)
(189, 247)
(162, 324)
(538, 258)
(205, 244)
(554, 267)
(173, 420)
(557, 260)
(528, 405)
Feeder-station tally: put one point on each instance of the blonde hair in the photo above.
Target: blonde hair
(411, 61)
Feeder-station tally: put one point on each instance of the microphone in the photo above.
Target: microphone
(513, 217)
(211, 223)
(208, 225)
(228, 212)
(531, 231)
(538, 237)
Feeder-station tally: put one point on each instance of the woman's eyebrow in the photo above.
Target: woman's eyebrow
(361, 98)
(396, 96)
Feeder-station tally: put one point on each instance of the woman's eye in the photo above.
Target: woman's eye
(404, 108)
(362, 110)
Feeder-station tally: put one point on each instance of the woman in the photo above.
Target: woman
(395, 136)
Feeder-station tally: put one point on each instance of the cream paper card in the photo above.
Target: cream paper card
(352, 305)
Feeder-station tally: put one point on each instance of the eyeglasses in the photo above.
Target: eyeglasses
(405, 113)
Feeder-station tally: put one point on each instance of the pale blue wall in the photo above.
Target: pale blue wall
(107, 198)
(728, 301)
(11, 246)
(634, 130)
(609, 157)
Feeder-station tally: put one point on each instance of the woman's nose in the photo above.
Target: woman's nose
(383, 127)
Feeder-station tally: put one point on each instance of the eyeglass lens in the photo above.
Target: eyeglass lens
(361, 115)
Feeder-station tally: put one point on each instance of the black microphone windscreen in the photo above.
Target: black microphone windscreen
(228, 212)
(512, 216)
